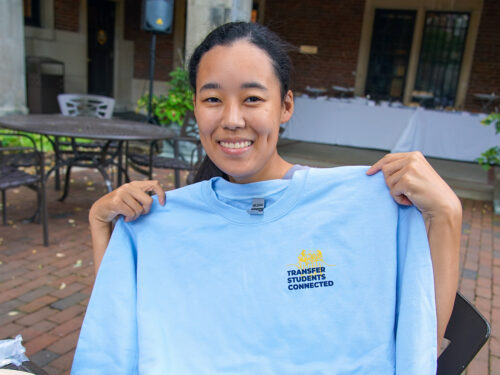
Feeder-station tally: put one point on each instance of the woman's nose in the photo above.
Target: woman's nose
(233, 116)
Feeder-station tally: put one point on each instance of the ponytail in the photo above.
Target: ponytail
(206, 169)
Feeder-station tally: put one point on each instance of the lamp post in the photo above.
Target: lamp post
(157, 18)
(151, 78)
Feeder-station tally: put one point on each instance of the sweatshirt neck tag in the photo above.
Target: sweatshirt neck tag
(257, 206)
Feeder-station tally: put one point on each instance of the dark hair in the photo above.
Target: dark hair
(227, 34)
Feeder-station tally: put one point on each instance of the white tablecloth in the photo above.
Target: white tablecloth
(448, 135)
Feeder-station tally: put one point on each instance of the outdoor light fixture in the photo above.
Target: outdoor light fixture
(157, 18)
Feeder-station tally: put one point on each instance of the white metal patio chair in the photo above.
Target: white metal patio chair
(82, 105)
(86, 105)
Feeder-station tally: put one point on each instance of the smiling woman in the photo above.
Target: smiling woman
(239, 110)
(210, 282)
(242, 87)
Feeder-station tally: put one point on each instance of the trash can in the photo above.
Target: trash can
(44, 81)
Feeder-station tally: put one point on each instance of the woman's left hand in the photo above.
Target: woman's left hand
(412, 180)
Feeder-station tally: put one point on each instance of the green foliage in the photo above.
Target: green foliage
(491, 157)
(494, 119)
(171, 108)
(13, 141)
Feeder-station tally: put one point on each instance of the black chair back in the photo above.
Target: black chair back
(467, 331)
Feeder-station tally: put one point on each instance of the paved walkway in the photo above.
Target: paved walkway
(44, 291)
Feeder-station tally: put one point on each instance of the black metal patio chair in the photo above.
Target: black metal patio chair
(12, 176)
(144, 163)
(467, 332)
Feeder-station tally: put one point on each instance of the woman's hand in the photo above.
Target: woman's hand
(130, 200)
(412, 180)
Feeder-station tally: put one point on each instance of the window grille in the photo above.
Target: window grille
(389, 54)
(440, 60)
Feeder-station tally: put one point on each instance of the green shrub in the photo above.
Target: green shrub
(171, 108)
(491, 157)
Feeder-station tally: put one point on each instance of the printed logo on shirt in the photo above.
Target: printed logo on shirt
(309, 272)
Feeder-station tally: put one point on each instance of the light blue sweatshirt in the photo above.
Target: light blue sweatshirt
(332, 278)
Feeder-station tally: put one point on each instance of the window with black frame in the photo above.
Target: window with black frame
(389, 54)
(32, 12)
(441, 54)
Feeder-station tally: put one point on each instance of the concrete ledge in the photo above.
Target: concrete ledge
(468, 180)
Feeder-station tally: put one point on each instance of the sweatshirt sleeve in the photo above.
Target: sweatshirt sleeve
(108, 339)
(416, 325)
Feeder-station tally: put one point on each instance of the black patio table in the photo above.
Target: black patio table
(109, 130)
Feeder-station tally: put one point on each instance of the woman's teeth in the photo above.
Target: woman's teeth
(235, 144)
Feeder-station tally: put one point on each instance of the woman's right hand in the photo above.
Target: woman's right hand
(130, 200)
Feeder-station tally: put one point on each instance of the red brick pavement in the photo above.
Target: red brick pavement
(44, 291)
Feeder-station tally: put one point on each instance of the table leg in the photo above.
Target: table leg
(57, 181)
(121, 168)
(4, 208)
(105, 175)
(66, 183)
(58, 162)
(126, 162)
(120, 163)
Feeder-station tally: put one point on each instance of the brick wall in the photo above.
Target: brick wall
(485, 73)
(333, 26)
(142, 43)
(66, 14)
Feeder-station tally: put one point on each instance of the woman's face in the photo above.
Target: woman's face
(239, 110)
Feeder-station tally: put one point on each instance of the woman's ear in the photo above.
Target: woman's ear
(287, 107)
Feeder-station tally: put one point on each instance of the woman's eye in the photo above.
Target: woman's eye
(212, 100)
(253, 99)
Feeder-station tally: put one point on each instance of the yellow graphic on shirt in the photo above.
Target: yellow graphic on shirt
(311, 259)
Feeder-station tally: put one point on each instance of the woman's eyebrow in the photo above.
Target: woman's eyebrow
(210, 86)
(253, 85)
(246, 85)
